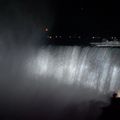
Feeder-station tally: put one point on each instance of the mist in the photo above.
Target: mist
(23, 22)
(51, 82)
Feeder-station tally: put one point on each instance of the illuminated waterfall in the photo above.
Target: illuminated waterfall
(96, 68)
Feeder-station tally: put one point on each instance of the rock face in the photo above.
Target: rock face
(112, 112)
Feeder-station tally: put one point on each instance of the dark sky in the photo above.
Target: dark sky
(84, 15)
(64, 15)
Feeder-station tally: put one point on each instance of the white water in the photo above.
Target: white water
(96, 68)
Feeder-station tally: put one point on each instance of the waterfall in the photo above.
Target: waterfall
(92, 67)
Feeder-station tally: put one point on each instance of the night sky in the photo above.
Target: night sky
(68, 16)
(87, 16)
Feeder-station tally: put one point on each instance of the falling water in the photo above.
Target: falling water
(95, 68)
(50, 79)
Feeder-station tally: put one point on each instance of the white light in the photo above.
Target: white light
(50, 37)
(118, 94)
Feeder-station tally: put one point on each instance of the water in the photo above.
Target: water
(96, 68)
(51, 82)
